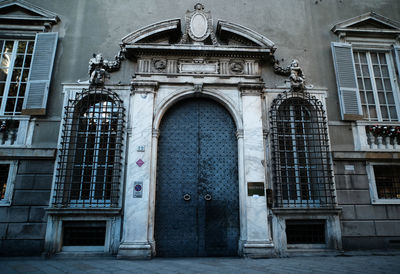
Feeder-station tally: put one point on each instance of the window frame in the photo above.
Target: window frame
(320, 201)
(8, 79)
(357, 48)
(12, 172)
(372, 184)
(72, 100)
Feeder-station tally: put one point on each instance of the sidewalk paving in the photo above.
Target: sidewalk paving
(378, 263)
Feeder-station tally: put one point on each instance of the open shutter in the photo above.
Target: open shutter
(40, 74)
(396, 51)
(346, 80)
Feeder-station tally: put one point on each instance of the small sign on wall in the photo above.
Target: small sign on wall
(137, 189)
(255, 188)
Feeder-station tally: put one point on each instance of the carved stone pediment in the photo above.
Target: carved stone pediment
(22, 16)
(368, 23)
(198, 39)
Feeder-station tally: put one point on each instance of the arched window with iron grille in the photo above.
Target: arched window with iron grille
(302, 172)
(89, 167)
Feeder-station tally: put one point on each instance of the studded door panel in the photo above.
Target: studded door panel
(197, 155)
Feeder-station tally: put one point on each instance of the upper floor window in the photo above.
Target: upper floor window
(301, 157)
(89, 166)
(15, 63)
(366, 60)
(376, 85)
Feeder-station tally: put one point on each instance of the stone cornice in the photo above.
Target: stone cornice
(252, 89)
(197, 50)
(153, 29)
(139, 86)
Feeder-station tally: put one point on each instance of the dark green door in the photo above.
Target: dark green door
(197, 207)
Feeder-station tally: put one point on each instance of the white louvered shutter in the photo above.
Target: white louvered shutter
(40, 74)
(346, 80)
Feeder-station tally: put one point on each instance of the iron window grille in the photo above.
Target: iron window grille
(387, 180)
(89, 167)
(302, 171)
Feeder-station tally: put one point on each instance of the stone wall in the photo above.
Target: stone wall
(364, 225)
(23, 224)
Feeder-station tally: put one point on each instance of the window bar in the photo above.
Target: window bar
(87, 175)
(301, 158)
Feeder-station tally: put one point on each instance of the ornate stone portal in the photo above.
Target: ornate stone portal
(223, 65)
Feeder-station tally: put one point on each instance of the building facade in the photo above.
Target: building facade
(271, 131)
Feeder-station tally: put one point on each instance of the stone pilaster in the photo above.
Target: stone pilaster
(258, 242)
(136, 241)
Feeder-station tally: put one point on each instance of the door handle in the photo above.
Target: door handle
(187, 197)
(207, 197)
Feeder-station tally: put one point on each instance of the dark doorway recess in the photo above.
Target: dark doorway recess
(197, 204)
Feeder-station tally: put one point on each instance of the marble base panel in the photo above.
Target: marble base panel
(134, 251)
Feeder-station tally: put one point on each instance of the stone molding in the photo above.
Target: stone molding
(144, 86)
(251, 89)
(153, 29)
(225, 28)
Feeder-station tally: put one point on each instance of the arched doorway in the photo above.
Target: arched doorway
(197, 204)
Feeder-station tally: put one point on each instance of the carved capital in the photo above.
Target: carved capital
(138, 86)
(252, 89)
(155, 133)
(239, 133)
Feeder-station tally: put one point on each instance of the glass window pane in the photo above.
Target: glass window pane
(22, 90)
(30, 47)
(367, 83)
(384, 112)
(388, 84)
(365, 70)
(25, 75)
(21, 47)
(16, 76)
(393, 113)
(3, 74)
(382, 99)
(365, 112)
(382, 58)
(390, 99)
(9, 46)
(379, 84)
(385, 71)
(372, 112)
(19, 61)
(358, 70)
(10, 105)
(27, 63)
(19, 104)
(13, 89)
(363, 57)
(2, 85)
(377, 71)
(362, 96)
(370, 98)
(374, 58)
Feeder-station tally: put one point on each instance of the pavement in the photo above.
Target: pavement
(344, 263)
